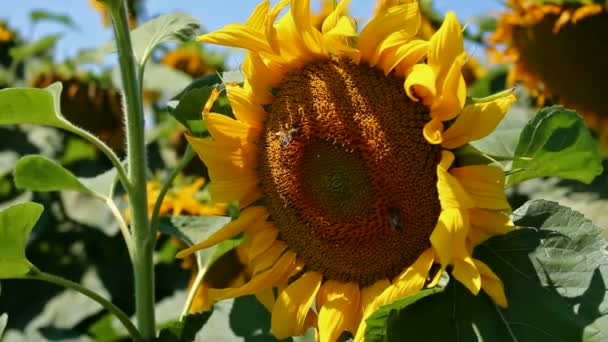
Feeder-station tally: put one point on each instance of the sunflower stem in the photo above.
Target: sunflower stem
(141, 232)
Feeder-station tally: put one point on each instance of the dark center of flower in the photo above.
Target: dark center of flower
(349, 178)
(582, 47)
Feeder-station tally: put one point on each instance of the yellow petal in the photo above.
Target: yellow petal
(403, 57)
(368, 296)
(297, 51)
(485, 185)
(405, 17)
(238, 35)
(411, 280)
(291, 308)
(262, 240)
(491, 284)
(476, 121)
(445, 45)
(339, 309)
(432, 131)
(487, 223)
(259, 79)
(420, 84)
(266, 298)
(243, 107)
(262, 281)
(300, 12)
(331, 21)
(466, 273)
(266, 260)
(451, 192)
(229, 131)
(449, 236)
(246, 218)
(452, 92)
(257, 19)
(245, 189)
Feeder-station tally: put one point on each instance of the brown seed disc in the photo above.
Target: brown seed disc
(571, 63)
(348, 177)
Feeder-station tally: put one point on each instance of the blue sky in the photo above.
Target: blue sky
(213, 14)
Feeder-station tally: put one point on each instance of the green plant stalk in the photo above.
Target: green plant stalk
(122, 317)
(144, 237)
(188, 155)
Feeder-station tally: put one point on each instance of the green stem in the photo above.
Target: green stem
(124, 229)
(188, 155)
(145, 239)
(122, 174)
(122, 317)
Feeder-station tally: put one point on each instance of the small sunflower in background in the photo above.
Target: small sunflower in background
(89, 102)
(341, 158)
(135, 8)
(559, 50)
(191, 59)
(8, 40)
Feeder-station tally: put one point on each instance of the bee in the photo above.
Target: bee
(395, 219)
(286, 136)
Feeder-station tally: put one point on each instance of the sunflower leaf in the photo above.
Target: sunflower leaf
(556, 143)
(554, 270)
(56, 177)
(16, 222)
(189, 110)
(183, 331)
(32, 106)
(174, 27)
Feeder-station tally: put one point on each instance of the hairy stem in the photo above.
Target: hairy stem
(144, 238)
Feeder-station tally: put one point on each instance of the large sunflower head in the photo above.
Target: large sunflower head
(560, 52)
(340, 158)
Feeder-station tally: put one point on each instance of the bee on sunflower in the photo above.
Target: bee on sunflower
(542, 37)
(341, 158)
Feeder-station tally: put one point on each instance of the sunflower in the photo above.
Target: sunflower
(191, 59)
(559, 52)
(342, 165)
(91, 103)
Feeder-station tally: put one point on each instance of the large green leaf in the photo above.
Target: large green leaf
(554, 273)
(174, 27)
(557, 143)
(16, 222)
(32, 106)
(38, 173)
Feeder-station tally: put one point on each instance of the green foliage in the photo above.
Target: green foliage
(174, 27)
(29, 169)
(40, 46)
(194, 229)
(32, 106)
(554, 273)
(184, 331)
(161, 78)
(556, 142)
(44, 15)
(16, 222)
